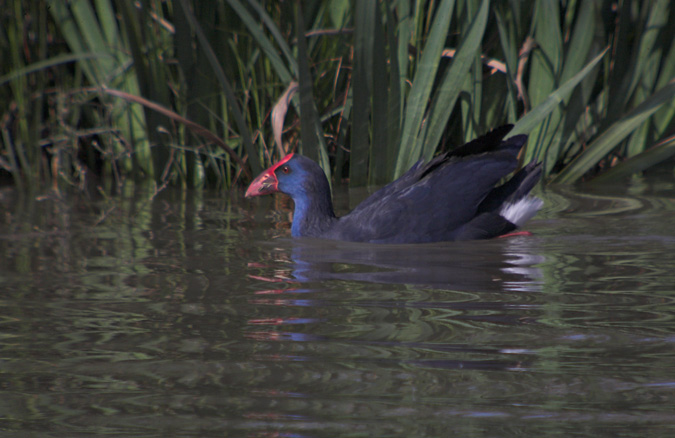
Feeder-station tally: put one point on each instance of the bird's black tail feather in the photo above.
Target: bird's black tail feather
(514, 189)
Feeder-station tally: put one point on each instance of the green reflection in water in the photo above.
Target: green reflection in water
(182, 317)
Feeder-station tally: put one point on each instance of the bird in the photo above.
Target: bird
(455, 196)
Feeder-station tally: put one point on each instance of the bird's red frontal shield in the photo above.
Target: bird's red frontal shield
(266, 182)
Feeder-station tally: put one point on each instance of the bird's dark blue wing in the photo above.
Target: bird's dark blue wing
(430, 208)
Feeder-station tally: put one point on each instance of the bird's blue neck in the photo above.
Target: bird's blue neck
(313, 214)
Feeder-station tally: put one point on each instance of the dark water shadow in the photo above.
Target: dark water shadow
(499, 264)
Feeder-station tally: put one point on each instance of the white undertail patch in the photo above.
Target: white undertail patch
(521, 211)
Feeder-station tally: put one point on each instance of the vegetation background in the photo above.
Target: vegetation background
(197, 93)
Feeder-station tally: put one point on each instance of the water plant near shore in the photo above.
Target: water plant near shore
(183, 92)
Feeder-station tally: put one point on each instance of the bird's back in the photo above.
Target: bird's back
(435, 201)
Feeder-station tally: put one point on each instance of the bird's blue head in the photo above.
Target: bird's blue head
(304, 181)
(293, 175)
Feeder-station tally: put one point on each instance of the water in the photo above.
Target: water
(195, 315)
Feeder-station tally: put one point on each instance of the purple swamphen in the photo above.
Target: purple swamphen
(452, 197)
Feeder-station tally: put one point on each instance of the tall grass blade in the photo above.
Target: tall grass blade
(537, 114)
(405, 31)
(658, 19)
(381, 153)
(106, 16)
(650, 157)
(227, 88)
(666, 114)
(510, 51)
(90, 31)
(577, 53)
(313, 144)
(581, 40)
(194, 127)
(548, 57)
(418, 98)
(611, 137)
(150, 80)
(83, 31)
(451, 84)
(65, 58)
(273, 28)
(271, 52)
(395, 95)
(544, 76)
(563, 122)
(362, 79)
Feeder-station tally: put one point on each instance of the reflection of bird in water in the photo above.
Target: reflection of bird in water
(502, 264)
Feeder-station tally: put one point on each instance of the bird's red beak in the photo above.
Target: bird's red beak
(264, 184)
(267, 181)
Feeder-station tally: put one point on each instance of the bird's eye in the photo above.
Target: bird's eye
(286, 169)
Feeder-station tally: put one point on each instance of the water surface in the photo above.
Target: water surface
(195, 315)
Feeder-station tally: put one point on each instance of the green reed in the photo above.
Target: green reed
(182, 92)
